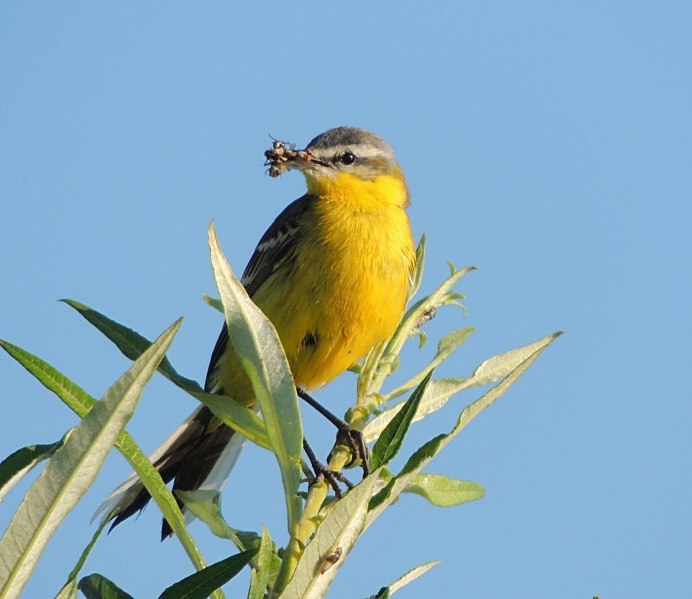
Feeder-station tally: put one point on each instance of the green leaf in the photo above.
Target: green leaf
(499, 366)
(368, 370)
(439, 391)
(71, 471)
(239, 418)
(402, 581)
(19, 463)
(426, 452)
(447, 345)
(432, 302)
(262, 570)
(258, 347)
(96, 586)
(78, 400)
(396, 484)
(214, 302)
(392, 437)
(334, 539)
(205, 504)
(411, 575)
(201, 584)
(444, 491)
(81, 403)
(68, 591)
(420, 267)
(130, 343)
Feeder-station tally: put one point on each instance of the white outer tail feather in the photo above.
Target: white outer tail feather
(121, 497)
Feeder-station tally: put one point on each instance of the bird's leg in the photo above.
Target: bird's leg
(353, 438)
(320, 470)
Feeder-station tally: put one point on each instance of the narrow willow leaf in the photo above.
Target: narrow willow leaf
(214, 302)
(392, 437)
(334, 539)
(436, 395)
(426, 452)
(447, 345)
(201, 584)
(420, 268)
(71, 471)
(68, 591)
(257, 344)
(97, 586)
(422, 336)
(439, 391)
(370, 367)
(411, 575)
(499, 366)
(444, 491)
(80, 402)
(238, 417)
(425, 305)
(19, 463)
(451, 341)
(396, 484)
(262, 570)
(205, 504)
(129, 342)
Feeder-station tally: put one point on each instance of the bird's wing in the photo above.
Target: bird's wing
(275, 248)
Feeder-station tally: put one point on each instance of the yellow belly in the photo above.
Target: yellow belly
(345, 294)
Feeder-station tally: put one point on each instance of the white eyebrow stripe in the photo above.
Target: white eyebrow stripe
(360, 150)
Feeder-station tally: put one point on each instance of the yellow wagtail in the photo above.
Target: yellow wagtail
(331, 273)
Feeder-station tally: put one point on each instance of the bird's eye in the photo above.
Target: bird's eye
(347, 158)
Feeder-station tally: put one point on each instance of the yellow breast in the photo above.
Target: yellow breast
(348, 286)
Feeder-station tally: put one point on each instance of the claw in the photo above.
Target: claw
(323, 472)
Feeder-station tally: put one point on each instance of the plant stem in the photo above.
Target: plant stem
(309, 520)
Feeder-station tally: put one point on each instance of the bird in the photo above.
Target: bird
(331, 273)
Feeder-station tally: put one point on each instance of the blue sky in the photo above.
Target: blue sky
(546, 143)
